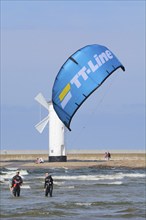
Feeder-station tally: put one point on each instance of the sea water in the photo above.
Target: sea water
(84, 193)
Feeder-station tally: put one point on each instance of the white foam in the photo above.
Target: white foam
(83, 203)
(39, 177)
(25, 187)
(116, 176)
(134, 175)
(59, 183)
(22, 172)
(12, 168)
(68, 187)
(111, 177)
(7, 175)
(88, 177)
(116, 183)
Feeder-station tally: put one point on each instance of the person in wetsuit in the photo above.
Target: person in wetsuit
(48, 185)
(16, 183)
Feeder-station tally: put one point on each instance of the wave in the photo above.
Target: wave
(117, 176)
(7, 175)
(134, 175)
(115, 183)
(25, 187)
(12, 168)
(58, 183)
(83, 203)
(68, 187)
(22, 172)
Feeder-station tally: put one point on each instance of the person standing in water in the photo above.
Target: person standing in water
(16, 183)
(48, 185)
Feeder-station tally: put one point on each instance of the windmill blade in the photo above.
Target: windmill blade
(42, 124)
(40, 99)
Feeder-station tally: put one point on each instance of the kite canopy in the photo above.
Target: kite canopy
(81, 75)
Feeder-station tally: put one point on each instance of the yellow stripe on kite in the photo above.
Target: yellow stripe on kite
(64, 92)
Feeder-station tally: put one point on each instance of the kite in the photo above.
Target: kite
(81, 74)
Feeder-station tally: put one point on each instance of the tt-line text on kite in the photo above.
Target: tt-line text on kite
(66, 95)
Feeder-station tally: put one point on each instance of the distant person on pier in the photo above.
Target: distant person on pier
(108, 156)
(48, 185)
(16, 183)
(105, 155)
(39, 160)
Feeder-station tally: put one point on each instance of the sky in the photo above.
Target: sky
(37, 37)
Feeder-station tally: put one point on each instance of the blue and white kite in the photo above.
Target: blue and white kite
(79, 77)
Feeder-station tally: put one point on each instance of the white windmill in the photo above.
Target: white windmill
(56, 131)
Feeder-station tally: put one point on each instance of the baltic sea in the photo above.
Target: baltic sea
(83, 193)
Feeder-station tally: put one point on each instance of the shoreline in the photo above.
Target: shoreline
(75, 160)
(75, 165)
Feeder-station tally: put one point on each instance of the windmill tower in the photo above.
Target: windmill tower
(56, 131)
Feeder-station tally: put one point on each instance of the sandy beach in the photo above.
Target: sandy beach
(130, 160)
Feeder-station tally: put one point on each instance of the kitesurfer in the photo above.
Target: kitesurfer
(16, 183)
(48, 185)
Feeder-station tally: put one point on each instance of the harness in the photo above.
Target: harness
(16, 183)
(49, 182)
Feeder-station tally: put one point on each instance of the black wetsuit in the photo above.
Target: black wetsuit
(48, 185)
(16, 183)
